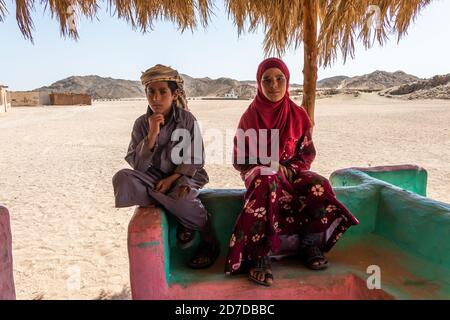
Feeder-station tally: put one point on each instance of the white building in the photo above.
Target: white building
(231, 95)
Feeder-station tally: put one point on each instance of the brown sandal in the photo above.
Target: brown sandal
(312, 255)
(185, 236)
(262, 265)
(207, 251)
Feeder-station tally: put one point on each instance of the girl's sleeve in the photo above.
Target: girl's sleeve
(305, 152)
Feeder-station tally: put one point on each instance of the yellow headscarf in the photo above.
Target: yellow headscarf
(164, 73)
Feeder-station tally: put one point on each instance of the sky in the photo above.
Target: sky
(109, 47)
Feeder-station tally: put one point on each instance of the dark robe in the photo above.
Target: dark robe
(136, 186)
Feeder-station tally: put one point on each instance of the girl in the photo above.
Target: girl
(285, 199)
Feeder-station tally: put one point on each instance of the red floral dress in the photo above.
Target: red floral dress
(274, 206)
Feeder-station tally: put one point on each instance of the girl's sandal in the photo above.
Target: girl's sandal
(314, 258)
(261, 266)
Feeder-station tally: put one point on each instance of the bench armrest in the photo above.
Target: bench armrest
(7, 289)
(149, 253)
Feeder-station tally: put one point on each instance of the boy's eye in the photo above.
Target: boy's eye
(152, 91)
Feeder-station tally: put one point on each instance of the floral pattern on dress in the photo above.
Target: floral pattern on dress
(232, 240)
(331, 208)
(260, 212)
(317, 190)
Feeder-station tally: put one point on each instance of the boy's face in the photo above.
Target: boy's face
(159, 97)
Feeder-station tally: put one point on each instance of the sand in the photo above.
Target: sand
(69, 242)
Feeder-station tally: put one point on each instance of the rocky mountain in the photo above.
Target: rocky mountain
(375, 81)
(331, 83)
(98, 87)
(437, 87)
(378, 80)
(390, 83)
(109, 88)
(207, 87)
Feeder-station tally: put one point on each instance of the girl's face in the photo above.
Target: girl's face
(159, 97)
(273, 84)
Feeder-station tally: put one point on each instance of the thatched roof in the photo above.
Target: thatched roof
(342, 23)
(348, 21)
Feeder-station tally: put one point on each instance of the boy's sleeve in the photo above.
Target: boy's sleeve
(139, 155)
(194, 160)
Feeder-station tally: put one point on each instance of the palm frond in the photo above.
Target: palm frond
(341, 22)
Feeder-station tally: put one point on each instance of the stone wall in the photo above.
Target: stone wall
(70, 99)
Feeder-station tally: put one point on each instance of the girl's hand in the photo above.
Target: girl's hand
(286, 172)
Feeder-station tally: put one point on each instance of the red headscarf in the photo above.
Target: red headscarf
(291, 120)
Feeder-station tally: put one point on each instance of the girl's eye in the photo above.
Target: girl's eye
(280, 79)
(163, 91)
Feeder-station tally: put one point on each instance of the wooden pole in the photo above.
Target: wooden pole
(310, 56)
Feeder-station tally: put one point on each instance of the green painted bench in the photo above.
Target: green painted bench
(403, 235)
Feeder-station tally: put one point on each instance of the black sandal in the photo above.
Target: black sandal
(206, 251)
(185, 236)
(312, 254)
(262, 265)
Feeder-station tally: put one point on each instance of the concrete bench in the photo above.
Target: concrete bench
(402, 234)
(7, 290)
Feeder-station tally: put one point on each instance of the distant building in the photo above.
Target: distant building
(29, 98)
(5, 100)
(231, 95)
(41, 98)
(61, 99)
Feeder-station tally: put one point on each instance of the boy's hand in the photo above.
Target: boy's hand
(183, 191)
(155, 121)
(165, 184)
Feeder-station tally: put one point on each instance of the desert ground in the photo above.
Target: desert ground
(69, 242)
